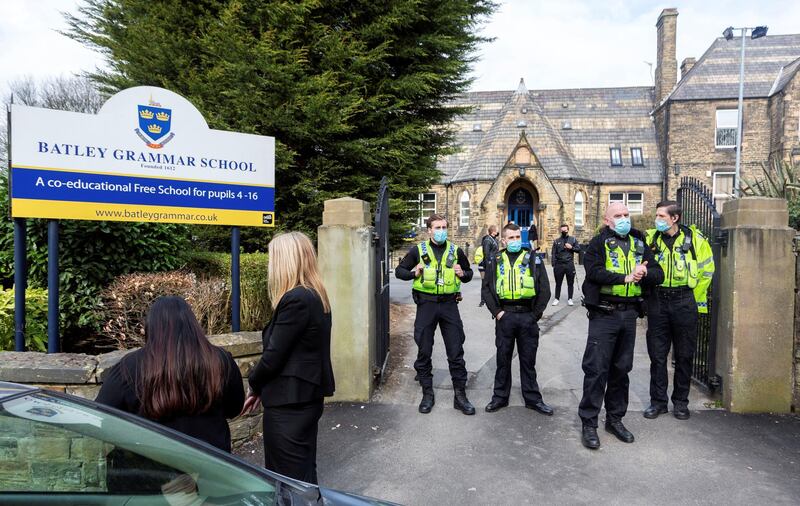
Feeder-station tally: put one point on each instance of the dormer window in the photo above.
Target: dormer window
(476, 127)
(637, 160)
(616, 157)
(522, 123)
(566, 125)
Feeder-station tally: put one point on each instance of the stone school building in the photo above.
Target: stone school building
(561, 156)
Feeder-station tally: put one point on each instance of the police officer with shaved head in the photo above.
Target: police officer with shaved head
(620, 269)
(438, 267)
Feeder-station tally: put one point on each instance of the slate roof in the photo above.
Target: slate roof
(785, 75)
(716, 75)
(599, 118)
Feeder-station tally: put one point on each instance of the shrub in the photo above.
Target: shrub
(35, 319)
(90, 255)
(255, 306)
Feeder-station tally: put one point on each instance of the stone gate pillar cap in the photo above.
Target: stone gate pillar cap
(346, 211)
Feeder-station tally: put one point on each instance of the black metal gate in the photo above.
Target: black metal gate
(697, 201)
(381, 245)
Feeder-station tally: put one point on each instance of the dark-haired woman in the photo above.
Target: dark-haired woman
(178, 379)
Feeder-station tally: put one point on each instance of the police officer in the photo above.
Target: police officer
(688, 264)
(516, 291)
(562, 257)
(438, 267)
(619, 267)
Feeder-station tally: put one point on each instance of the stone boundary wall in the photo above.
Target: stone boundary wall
(81, 375)
(796, 355)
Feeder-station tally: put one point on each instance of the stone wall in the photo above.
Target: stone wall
(81, 375)
(691, 131)
(784, 113)
(796, 354)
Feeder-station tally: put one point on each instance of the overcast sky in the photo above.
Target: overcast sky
(551, 43)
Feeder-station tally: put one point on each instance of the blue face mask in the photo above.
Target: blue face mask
(514, 246)
(439, 236)
(662, 226)
(622, 226)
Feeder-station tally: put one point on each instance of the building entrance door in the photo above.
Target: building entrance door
(520, 211)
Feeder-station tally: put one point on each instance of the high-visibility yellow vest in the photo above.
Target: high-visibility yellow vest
(438, 279)
(517, 281)
(617, 261)
(689, 263)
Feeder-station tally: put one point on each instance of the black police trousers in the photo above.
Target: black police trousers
(559, 271)
(675, 324)
(446, 315)
(522, 329)
(606, 363)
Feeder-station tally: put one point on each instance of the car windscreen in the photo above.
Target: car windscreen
(52, 444)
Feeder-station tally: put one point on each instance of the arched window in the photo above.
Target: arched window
(579, 210)
(463, 210)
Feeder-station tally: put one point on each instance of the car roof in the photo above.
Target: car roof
(13, 389)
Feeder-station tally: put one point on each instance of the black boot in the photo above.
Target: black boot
(427, 402)
(589, 437)
(461, 403)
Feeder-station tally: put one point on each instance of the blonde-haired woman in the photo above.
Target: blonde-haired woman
(294, 373)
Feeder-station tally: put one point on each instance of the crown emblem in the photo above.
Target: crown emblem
(154, 129)
(162, 116)
(146, 114)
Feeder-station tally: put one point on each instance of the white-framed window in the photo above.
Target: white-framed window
(722, 188)
(426, 206)
(463, 210)
(579, 210)
(633, 200)
(616, 156)
(727, 123)
(637, 160)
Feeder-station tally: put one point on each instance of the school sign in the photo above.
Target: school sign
(147, 156)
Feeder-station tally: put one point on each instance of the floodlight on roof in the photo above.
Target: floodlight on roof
(758, 32)
(728, 33)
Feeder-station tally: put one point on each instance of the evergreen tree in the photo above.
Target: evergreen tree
(352, 90)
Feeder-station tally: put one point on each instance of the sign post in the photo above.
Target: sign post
(147, 156)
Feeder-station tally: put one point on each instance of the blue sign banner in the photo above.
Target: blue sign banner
(52, 185)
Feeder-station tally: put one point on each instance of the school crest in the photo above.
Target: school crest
(155, 123)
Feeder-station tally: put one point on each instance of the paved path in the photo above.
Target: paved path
(516, 456)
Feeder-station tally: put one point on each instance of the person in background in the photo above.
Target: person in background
(563, 260)
(178, 379)
(533, 235)
(488, 248)
(294, 374)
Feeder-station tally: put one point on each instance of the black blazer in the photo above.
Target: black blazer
(119, 391)
(295, 366)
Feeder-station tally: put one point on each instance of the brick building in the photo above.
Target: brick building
(560, 156)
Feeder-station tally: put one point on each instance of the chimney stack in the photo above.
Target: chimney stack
(687, 65)
(666, 61)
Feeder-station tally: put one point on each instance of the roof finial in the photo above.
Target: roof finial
(521, 88)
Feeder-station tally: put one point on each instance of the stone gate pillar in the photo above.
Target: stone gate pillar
(756, 307)
(347, 266)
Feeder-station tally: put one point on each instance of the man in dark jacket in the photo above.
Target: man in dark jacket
(516, 291)
(562, 257)
(489, 248)
(438, 267)
(619, 271)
